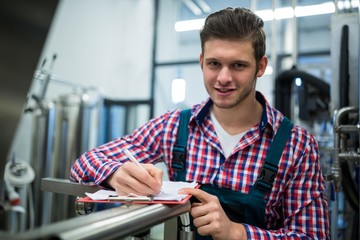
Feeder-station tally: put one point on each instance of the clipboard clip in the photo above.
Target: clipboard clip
(130, 198)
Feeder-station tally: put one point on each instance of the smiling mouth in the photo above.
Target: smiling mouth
(222, 90)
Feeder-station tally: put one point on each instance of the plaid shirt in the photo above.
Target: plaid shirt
(296, 207)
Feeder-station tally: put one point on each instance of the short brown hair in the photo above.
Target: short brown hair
(235, 24)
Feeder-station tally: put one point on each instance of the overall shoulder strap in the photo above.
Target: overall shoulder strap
(270, 167)
(180, 147)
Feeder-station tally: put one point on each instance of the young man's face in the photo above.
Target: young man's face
(229, 70)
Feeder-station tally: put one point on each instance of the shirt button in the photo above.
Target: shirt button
(222, 168)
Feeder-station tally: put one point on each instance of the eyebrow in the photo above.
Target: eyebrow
(211, 59)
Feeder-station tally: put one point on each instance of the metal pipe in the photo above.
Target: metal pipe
(41, 158)
(338, 116)
(113, 223)
(349, 155)
(48, 78)
(339, 154)
(342, 112)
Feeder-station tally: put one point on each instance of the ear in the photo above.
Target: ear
(201, 59)
(262, 66)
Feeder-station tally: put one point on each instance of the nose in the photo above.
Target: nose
(224, 76)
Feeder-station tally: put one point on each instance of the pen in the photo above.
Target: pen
(133, 160)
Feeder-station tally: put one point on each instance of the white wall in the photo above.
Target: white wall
(106, 44)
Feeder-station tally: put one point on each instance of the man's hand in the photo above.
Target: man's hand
(210, 218)
(129, 178)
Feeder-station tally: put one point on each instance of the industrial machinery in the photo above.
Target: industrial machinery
(345, 169)
(311, 100)
(346, 127)
(61, 132)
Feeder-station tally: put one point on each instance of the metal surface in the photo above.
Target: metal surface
(72, 116)
(338, 21)
(346, 152)
(64, 186)
(342, 152)
(187, 235)
(109, 224)
(84, 208)
(169, 226)
(339, 151)
(24, 25)
(61, 132)
(41, 158)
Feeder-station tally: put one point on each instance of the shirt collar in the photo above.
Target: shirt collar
(264, 119)
(267, 117)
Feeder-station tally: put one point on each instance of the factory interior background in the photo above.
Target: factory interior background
(76, 74)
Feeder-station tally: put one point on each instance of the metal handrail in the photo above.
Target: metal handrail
(112, 223)
(117, 222)
(65, 186)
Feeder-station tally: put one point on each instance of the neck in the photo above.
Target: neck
(240, 118)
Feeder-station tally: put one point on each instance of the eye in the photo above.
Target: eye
(239, 65)
(213, 64)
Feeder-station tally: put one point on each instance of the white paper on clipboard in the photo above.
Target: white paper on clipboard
(169, 193)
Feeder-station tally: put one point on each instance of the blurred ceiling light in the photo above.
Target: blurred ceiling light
(279, 13)
(189, 25)
(178, 90)
(323, 8)
(193, 7)
(298, 82)
(284, 13)
(348, 4)
(266, 15)
(203, 5)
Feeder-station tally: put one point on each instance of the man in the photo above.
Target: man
(228, 141)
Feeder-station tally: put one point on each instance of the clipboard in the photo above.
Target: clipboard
(134, 199)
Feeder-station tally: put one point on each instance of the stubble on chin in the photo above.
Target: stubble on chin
(231, 102)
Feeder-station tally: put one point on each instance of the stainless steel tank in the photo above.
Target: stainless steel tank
(61, 132)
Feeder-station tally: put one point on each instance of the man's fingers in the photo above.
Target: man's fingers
(146, 187)
(155, 172)
(199, 194)
(136, 180)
